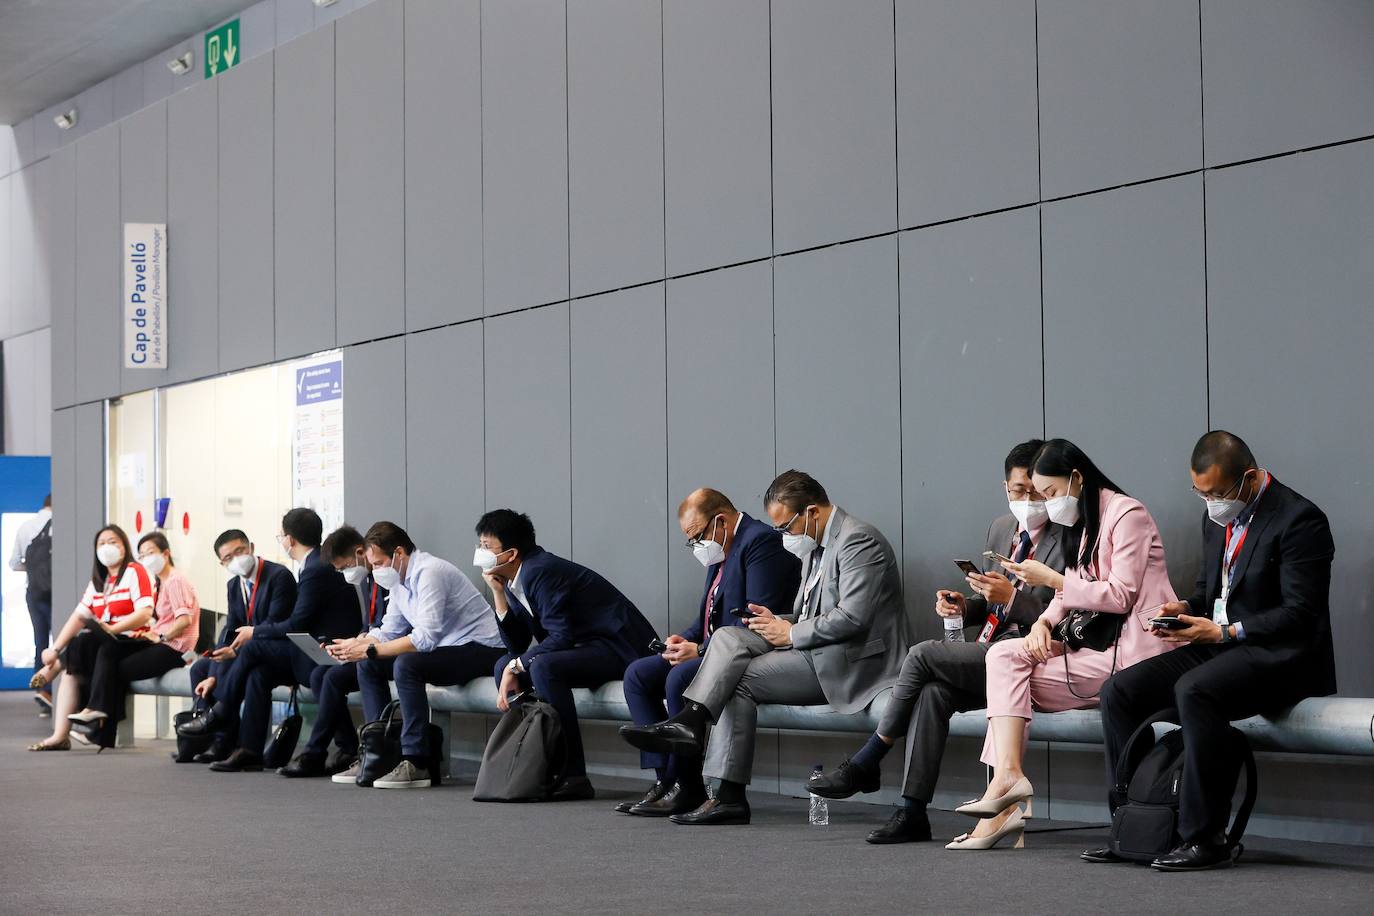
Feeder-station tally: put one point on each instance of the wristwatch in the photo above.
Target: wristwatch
(701, 649)
(1227, 634)
(372, 650)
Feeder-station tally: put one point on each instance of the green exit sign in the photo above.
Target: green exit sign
(221, 48)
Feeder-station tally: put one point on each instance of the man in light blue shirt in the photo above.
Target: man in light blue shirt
(438, 629)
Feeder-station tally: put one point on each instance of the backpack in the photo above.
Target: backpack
(1145, 794)
(38, 561)
(526, 755)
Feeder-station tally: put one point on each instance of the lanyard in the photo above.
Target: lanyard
(253, 595)
(1230, 554)
(372, 606)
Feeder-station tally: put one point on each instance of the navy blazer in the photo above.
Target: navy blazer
(326, 605)
(571, 605)
(758, 570)
(276, 599)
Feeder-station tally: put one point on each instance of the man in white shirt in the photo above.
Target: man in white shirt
(36, 534)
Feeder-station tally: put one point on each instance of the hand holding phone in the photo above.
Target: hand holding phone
(742, 613)
(967, 567)
(658, 647)
(1169, 623)
(994, 555)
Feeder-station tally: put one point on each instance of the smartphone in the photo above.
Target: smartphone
(658, 647)
(1169, 623)
(967, 568)
(994, 555)
(743, 613)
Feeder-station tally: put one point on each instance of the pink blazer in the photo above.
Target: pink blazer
(1128, 576)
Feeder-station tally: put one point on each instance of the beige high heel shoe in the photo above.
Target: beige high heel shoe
(1015, 825)
(1021, 791)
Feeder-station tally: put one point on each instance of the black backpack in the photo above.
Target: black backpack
(38, 561)
(526, 755)
(1144, 798)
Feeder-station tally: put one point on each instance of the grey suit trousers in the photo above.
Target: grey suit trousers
(937, 680)
(741, 670)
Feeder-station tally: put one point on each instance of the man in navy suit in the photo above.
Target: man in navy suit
(745, 564)
(326, 608)
(258, 590)
(588, 631)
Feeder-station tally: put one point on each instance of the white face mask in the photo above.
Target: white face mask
(1030, 513)
(386, 576)
(484, 559)
(243, 565)
(355, 575)
(800, 545)
(108, 554)
(1063, 510)
(708, 552)
(155, 563)
(1226, 511)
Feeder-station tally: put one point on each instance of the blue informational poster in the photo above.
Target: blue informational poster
(24, 481)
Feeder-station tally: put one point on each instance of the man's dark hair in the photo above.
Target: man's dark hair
(47, 501)
(511, 528)
(388, 537)
(796, 490)
(1021, 456)
(1224, 450)
(233, 534)
(305, 525)
(342, 544)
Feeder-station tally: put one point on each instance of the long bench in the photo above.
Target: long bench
(1320, 725)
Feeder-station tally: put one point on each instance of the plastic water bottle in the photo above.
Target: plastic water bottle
(820, 807)
(954, 629)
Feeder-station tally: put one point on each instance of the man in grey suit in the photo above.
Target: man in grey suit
(842, 644)
(941, 677)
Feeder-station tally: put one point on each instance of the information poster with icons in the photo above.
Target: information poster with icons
(317, 446)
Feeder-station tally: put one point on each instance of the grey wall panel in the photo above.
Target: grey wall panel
(21, 395)
(60, 247)
(89, 468)
(369, 163)
(836, 352)
(528, 430)
(193, 232)
(445, 472)
(245, 215)
(375, 433)
(1125, 331)
(443, 162)
(128, 91)
(257, 30)
(966, 108)
(970, 355)
(834, 122)
(1265, 64)
(32, 192)
(720, 405)
(97, 265)
(524, 154)
(619, 444)
(294, 19)
(1289, 275)
(65, 590)
(26, 147)
(716, 133)
(303, 194)
(143, 199)
(326, 14)
(615, 143)
(1120, 92)
(7, 279)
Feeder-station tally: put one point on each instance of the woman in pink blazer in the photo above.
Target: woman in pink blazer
(1119, 570)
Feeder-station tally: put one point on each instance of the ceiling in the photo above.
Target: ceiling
(50, 50)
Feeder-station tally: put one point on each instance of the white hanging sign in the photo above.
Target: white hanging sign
(145, 295)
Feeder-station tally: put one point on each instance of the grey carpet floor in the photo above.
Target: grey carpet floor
(131, 832)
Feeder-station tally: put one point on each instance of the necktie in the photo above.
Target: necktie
(1023, 547)
(706, 627)
(813, 582)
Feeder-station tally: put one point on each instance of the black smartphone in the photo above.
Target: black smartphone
(658, 647)
(743, 613)
(967, 568)
(1169, 623)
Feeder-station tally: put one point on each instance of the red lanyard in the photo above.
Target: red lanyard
(372, 606)
(253, 595)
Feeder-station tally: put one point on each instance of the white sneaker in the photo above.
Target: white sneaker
(349, 776)
(405, 776)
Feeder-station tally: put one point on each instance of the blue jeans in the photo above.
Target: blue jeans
(442, 667)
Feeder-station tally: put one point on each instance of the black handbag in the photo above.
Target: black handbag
(188, 748)
(379, 745)
(283, 744)
(1094, 630)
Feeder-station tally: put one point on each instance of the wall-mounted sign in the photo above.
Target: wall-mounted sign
(145, 295)
(222, 48)
(317, 471)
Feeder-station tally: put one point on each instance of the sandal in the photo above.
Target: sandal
(39, 679)
(64, 745)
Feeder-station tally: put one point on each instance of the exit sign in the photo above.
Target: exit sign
(221, 48)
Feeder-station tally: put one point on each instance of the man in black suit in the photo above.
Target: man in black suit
(258, 590)
(326, 607)
(1259, 639)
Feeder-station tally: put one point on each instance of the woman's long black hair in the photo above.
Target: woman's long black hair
(98, 570)
(1060, 458)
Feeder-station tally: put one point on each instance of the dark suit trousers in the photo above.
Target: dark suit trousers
(553, 676)
(202, 668)
(262, 664)
(118, 663)
(442, 667)
(40, 615)
(331, 685)
(650, 682)
(1210, 686)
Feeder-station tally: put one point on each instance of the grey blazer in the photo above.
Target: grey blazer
(859, 635)
(1030, 603)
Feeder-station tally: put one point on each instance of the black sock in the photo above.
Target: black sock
(689, 777)
(912, 804)
(731, 793)
(693, 715)
(661, 774)
(421, 761)
(870, 756)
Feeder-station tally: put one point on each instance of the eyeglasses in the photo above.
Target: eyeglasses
(239, 551)
(1019, 492)
(784, 528)
(700, 536)
(1235, 487)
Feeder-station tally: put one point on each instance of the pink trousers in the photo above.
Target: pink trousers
(1017, 684)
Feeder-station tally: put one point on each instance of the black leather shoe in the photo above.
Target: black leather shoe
(305, 765)
(216, 753)
(657, 791)
(714, 812)
(575, 788)
(200, 725)
(1100, 856)
(677, 800)
(241, 761)
(340, 761)
(666, 737)
(845, 780)
(907, 825)
(1195, 857)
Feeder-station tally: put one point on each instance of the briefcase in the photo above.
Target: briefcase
(379, 745)
(283, 744)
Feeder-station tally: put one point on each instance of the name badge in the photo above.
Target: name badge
(1219, 613)
(989, 627)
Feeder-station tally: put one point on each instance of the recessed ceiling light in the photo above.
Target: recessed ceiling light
(66, 120)
(180, 65)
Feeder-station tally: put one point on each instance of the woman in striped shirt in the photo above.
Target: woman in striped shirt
(118, 601)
